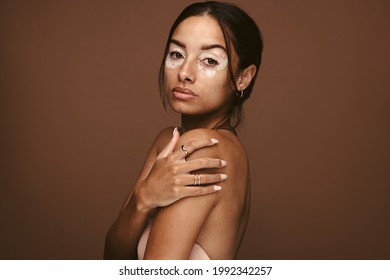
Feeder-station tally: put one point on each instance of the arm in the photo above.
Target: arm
(176, 227)
(122, 238)
(162, 181)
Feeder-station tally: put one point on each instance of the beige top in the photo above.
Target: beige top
(197, 252)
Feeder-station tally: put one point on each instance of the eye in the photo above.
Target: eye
(175, 55)
(210, 62)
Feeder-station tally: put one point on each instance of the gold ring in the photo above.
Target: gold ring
(196, 180)
(184, 150)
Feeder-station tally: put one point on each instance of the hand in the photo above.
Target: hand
(170, 180)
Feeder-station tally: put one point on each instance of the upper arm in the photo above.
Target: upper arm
(153, 152)
(176, 227)
(150, 158)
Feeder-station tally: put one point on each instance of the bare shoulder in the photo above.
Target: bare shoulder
(229, 149)
(228, 143)
(163, 138)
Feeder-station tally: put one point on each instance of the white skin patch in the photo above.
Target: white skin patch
(210, 62)
(172, 61)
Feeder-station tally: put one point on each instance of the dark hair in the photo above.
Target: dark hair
(240, 31)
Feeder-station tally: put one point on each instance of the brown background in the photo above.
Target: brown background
(80, 108)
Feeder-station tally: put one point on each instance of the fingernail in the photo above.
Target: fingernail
(213, 140)
(223, 176)
(223, 162)
(217, 188)
(174, 131)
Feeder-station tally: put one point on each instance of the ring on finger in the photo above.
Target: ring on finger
(196, 180)
(184, 150)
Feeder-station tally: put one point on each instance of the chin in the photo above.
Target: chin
(179, 107)
(184, 110)
(181, 110)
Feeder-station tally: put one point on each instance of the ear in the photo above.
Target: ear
(245, 77)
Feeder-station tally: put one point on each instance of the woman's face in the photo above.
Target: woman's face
(196, 68)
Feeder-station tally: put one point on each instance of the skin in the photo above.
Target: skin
(220, 219)
(164, 184)
(161, 182)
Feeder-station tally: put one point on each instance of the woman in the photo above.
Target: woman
(196, 187)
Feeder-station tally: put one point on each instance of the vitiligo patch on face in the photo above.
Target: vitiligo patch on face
(171, 63)
(212, 71)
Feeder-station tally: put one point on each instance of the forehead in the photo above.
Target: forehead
(199, 30)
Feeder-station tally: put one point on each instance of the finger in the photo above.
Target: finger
(193, 145)
(197, 191)
(171, 145)
(204, 179)
(201, 163)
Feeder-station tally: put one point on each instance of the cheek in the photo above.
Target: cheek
(170, 76)
(215, 87)
(172, 64)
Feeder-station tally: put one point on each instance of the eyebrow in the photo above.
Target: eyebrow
(203, 47)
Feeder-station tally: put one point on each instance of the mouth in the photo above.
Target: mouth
(183, 93)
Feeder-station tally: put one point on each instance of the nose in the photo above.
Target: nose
(187, 72)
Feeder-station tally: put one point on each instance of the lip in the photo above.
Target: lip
(183, 93)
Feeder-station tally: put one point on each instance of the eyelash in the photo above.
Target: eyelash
(209, 62)
(174, 54)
